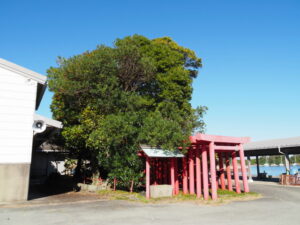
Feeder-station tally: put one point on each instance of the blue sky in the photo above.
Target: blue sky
(250, 78)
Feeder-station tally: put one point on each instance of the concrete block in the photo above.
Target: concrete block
(14, 181)
(93, 188)
(158, 191)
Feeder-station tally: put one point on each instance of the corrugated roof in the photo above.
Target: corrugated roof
(158, 152)
(274, 143)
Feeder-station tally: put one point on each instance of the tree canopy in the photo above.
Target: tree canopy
(113, 99)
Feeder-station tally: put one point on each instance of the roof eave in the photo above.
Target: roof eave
(39, 94)
(41, 79)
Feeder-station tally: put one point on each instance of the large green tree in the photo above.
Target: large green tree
(113, 99)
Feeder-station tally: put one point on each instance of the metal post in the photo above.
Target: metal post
(249, 169)
(287, 163)
(198, 173)
(205, 172)
(213, 170)
(257, 167)
(147, 177)
(191, 171)
(236, 173)
(222, 175)
(228, 172)
(243, 168)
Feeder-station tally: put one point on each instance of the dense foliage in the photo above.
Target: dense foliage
(113, 99)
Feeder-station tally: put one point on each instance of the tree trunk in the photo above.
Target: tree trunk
(115, 183)
(77, 175)
(131, 186)
(95, 170)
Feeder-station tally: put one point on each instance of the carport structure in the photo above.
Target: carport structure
(281, 146)
(202, 167)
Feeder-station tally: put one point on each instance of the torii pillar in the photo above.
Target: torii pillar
(222, 174)
(191, 171)
(147, 177)
(176, 176)
(184, 176)
(198, 172)
(243, 168)
(172, 172)
(213, 170)
(228, 172)
(236, 173)
(205, 172)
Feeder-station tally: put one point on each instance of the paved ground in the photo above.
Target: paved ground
(279, 206)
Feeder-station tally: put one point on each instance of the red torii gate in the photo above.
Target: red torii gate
(195, 170)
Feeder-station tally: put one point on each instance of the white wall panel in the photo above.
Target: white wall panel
(17, 106)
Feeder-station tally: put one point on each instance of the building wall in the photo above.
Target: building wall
(14, 181)
(45, 163)
(17, 106)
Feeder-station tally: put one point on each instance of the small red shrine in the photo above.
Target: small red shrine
(210, 163)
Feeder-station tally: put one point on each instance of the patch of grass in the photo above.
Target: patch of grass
(224, 196)
(122, 195)
(227, 193)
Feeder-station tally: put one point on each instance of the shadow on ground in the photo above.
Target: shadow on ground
(54, 185)
(266, 179)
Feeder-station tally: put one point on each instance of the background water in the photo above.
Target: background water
(275, 171)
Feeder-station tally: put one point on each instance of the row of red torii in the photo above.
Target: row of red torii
(202, 168)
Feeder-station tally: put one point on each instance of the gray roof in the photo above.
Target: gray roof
(23, 71)
(274, 143)
(161, 153)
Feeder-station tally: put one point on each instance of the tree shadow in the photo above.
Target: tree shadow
(267, 179)
(55, 184)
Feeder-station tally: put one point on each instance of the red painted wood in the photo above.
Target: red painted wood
(217, 176)
(213, 171)
(156, 172)
(228, 172)
(222, 174)
(165, 171)
(219, 139)
(205, 172)
(198, 173)
(184, 176)
(147, 177)
(172, 171)
(225, 148)
(236, 172)
(243, 168)
(191, 172)
(176, 176)
(160, 179)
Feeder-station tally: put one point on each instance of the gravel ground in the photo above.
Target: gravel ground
(279, 206)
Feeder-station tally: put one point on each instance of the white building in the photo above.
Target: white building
(21, 91)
